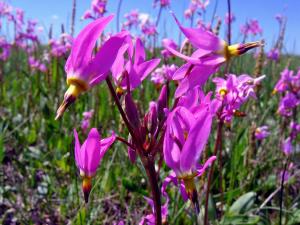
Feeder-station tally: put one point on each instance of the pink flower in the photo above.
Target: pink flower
(97, 10)
(287, 104)
(85, 70)
(185, 139)
(261, 132)
(5, 49)
(85, 123)
(229, 18)
(163, 74)
(211, 53)
(89, 155)
(135, 67)
(150, 218)
(287, 146)
(273, 54)
(233, 92)
(251, 27)
(171, 44)
(163, 3)
(132, 19)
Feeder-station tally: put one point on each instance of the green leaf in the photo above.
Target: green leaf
(295, 219)
(243, 203)
(241, 220)
(2, 151)
(212, 211)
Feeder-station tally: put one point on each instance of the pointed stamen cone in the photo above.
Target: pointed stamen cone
(192, 193)
(70, 97)
(64, 105)
(86, 187)
(239, 49)
(195, 202)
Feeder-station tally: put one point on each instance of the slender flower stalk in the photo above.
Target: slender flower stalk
(73, 18)
(118, 15)
(229, 23)
(209, 180)
(282, 189)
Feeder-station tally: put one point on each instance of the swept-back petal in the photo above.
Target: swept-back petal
(171, 149)
(106, 143)
(200, 37)
(140, 54)
(84, 43)
(198, 76)
(196, 141)
(146, 67)
(104, 59)
(180, 73)
(118, 65)
(201, 169)
(92, 149)
(192, 60)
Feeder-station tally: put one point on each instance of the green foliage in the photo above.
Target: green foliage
(42, 181)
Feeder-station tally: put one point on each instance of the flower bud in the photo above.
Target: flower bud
(131, 111)
(162, 103)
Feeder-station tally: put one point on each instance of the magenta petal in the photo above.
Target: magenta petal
(134, 78)
(92, 150)
(171, 178)
(118, 66)
(77, 151)
(191, 60)
(171, 150)
(181, 72)
(140, 54)
(184, 195)
(200, 37)
(146, 67)
(84, 43)
(198, 76)
(208, 162)
(196, 141)
(69, 65)
(106, 143)
(104, 59)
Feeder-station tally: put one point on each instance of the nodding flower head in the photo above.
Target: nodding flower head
(211, 52)
(89, 155)
(185, 139)
(84, 70)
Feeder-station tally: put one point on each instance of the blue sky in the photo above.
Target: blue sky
(57, 12)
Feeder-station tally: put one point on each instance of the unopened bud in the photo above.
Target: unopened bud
(162, 103)
(131, 111)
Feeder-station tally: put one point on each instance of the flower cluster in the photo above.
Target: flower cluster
(178, 134)
(251, 27)
(289, 85)
(163, 74)
(233, 92)
(85, 122)
(132, 19)
(36, 65)
(97, 10)
(61, 46)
